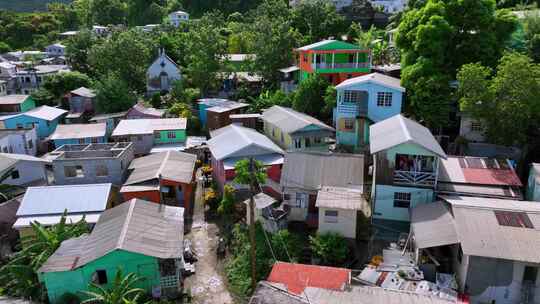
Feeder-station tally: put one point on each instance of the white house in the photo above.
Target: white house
(55, 50)
(178, 17)
(162, 73)
(21, 141)
(471, 129)
(20, 169)
(390, 6)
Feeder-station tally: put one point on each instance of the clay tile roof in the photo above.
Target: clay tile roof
(296, 277)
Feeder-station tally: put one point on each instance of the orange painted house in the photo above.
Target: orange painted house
(166, 177)
(335, 60)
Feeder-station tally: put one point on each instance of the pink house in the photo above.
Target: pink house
(233, 143)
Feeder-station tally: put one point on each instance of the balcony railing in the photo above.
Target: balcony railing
(353, 108)
(414, 178)
(349, 65)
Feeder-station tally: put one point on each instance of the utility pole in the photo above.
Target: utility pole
(252, 187)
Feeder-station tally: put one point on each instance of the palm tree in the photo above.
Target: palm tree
(122, 291)
(18, 277)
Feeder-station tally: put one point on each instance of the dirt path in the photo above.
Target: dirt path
(206, 285)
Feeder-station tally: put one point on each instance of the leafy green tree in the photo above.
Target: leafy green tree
(439, 37)
(317, 20)
(77, 51)
(156, 100)
(531, 32)
(65, 14)
(4, 47)
(243, 173)
(44, 97)
(330, 248)
(30, 30)
(512, 93)
(180, 109)
(61, 83)
(226, 205)
(181, 94)
(309, 97)
(125, 53)
(204, 49)
(18, 277)
(330, 101)
(123, 290)
(274, 40)
(106, 12)
(268, 99)
(113, 94)
(141, 12)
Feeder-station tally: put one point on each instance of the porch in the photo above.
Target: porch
(417, 170)
(340, 59)
(170, 271)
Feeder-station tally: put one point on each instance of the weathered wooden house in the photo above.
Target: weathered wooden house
(167, 178)
(82, 105)
(16, 103)
(136, 237)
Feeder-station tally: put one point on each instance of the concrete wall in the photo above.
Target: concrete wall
(24, 142)
(142, 143)
(345, 225)
(58, 283)
(76, 141)
(499, 281)
(116, 167)
(465, 130)
(297, 213)
(29, 171)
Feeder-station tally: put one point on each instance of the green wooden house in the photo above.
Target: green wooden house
(137, 237)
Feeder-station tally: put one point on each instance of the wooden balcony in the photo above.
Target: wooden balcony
(348, 65)
(414, 178)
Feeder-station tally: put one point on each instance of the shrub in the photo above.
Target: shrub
(331, 248)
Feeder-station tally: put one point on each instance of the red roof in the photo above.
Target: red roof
(296, 277)
(491, 176)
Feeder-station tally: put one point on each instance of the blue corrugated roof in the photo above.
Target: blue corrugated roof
(51, 200)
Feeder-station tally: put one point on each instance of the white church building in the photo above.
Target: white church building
(162, 73)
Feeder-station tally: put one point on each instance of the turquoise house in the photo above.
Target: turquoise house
(406, 168)
(73, 134)
(137, 237)
(362, 101)
(44, 118)
(533, 183)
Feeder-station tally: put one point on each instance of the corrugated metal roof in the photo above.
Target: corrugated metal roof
(107, 116)
(13, 99)
(267, 159)
(136, 226)
(398, 130)
(262, 200)
(296, 277)
(85, 92)
(78, 131)
(290, 69)
(349, 198)
(24, 157)
(229, 141)
(291, 121)
(315, 45)
(370, 295)
(49, 220)
(148, 126)
(53, 200)
(433, 225)
(45, 113)
(452, 170)
(376, 78)
(312, 170)
(227, 106)
(149, 111)
(480, 233)
(171, 165)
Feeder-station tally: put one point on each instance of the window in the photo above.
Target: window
(513, 219)
(157, 135)
(81, 141)
(100, 277)
(352, 96)
(20, 126)
(286, 197)
(460, 254)
(171, 134)
(297, 143)
(102, 170)
(317, 140)
(30, 144)
(330, 216)
(305, 57)
(348, 124)
(351, 58)
(5, 149)
(273, 132)
(307, 142)
(301, 200)
(48, 123)
(384, 99)
(402, 200)
(15, 174)
(73, 171)
(476, 126)
(282, 137)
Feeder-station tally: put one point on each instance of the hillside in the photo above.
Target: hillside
(27, 5)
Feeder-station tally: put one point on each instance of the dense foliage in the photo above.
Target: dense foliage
(436, 39)
(19, 276)
(122, 290)
(330, 248)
